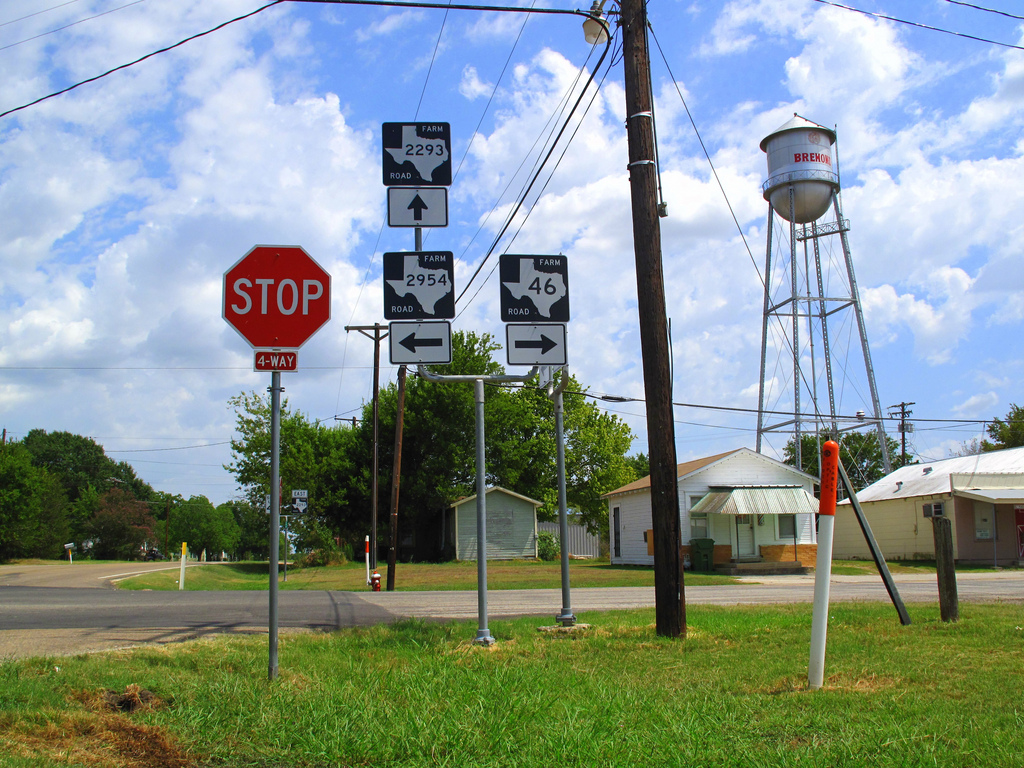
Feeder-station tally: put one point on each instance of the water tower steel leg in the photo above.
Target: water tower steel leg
(855, 295)
(794, 292)
(764, 325)
(826, 347)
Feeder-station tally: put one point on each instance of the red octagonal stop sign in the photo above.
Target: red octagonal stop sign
(276, 296)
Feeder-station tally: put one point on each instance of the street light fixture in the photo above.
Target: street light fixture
(594, 29)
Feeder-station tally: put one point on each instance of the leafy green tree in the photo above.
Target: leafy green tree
(859, 452)
(121, 526)
(204, 527)
(1008, 432)
(33, 507)
(253, 523)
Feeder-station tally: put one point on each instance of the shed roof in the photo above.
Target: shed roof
(467, 499)
(997, 469)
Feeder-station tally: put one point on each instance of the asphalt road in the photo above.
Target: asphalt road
(67, 609)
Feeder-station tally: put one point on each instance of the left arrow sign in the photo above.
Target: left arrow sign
(413, 343)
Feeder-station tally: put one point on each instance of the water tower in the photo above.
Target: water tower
(812, 320)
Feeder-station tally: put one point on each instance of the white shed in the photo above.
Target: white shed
(757, 510)
(511, 526)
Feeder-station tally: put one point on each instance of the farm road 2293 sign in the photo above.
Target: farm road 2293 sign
(417, 154)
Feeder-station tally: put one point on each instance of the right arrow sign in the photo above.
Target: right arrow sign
(535, 344)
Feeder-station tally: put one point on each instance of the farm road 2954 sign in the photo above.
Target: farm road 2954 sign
(419, 285)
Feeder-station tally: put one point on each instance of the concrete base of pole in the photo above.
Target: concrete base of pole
(484, 637)
(566, 619)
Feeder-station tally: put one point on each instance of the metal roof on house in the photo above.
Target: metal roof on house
(767, 500)
(690, 467)
(936, 478)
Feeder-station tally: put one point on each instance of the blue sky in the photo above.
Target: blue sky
(124, 201)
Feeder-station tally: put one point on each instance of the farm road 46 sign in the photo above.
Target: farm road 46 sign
(276, 297)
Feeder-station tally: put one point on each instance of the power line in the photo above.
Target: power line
(987, 10)
(68, 26)
(141, 59)
(38, 13)
(915, 24)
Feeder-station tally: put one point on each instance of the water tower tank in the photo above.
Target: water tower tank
(800, 155)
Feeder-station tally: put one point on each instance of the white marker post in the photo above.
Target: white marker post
(181, 576)
(823, 563)
(367, 561)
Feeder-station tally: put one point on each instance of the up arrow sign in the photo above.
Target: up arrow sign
(417, 206)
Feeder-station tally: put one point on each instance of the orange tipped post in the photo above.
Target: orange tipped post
(823, 562)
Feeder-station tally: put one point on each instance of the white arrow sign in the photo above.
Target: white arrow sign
(417, 206)
(414, 343)
(535, 344)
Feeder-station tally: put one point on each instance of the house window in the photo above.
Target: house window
(933, 510)
(983, 524)
(787, 526)
(699, 525)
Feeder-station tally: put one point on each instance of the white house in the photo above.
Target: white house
(982, 495)
(756, 509)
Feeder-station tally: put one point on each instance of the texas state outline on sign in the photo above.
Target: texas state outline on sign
(415, 152)
(427, 286)
(542, 288)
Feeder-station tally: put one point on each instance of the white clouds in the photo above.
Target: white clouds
(391, 23)
(977, 405)
(471, 86)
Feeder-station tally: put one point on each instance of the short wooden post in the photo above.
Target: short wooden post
(949, 605)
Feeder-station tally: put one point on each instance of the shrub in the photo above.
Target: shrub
(547, 546)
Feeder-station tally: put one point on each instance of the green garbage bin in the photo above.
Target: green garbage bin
(702, 555)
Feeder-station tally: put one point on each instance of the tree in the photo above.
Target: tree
(204, 526)
(33, 507)
(84, 471)
(859, 452)
(121, 526)
(1008, 432)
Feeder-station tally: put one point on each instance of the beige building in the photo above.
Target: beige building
(982, 495)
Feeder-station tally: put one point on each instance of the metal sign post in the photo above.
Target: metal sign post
(483, 634)
(566, 617)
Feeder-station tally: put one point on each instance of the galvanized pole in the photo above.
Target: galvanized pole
(483, 634)
(566, 618)
(275, 510)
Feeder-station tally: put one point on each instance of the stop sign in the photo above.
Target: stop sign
(276, 296)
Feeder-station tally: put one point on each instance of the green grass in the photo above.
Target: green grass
(922, 567)
(515, 574)
(420, 694)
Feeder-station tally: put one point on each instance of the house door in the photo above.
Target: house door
(617, 526)
(745, 536)
(1019, 512)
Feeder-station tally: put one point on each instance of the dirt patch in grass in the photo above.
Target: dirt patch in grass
(102, 735)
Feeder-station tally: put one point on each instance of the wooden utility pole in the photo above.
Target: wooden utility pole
(396, 476)
(904, 409)
(945, 570)
(670, 602)
(378, 335)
